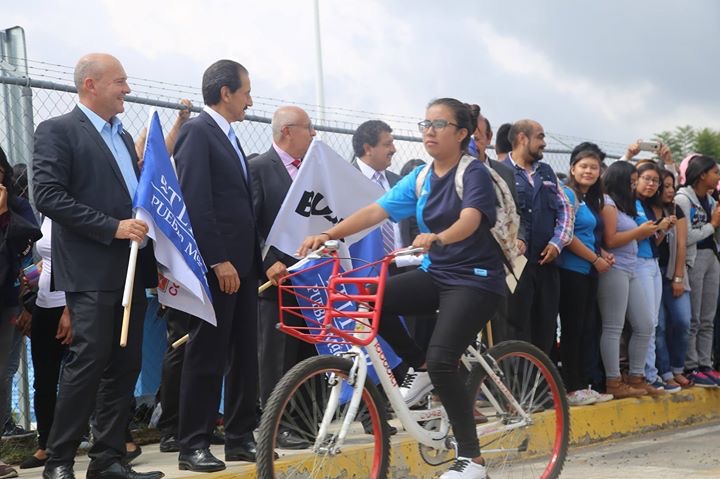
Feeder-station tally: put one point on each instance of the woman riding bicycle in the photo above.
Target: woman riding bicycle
(462, 275)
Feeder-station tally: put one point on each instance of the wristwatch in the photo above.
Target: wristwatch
(677, 279)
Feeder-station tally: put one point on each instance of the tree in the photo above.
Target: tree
(681, 141)
(707, 142)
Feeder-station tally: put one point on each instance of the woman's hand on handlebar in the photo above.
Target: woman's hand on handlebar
(311, 243)
(426, 240)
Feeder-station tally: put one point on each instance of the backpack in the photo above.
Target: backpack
(507, 222)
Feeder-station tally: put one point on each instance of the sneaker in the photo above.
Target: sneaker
(671, 386)
(7, 471)
(581, 397)
(701, 380)
(712, 374)
(599, 397)
(415, 386)
(465, 468)
(13, 431)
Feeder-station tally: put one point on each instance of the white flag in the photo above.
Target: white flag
(326, 190)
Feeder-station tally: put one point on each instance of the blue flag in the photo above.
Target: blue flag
(159, 202)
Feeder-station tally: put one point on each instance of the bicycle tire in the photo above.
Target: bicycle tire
(535, 383)
(298, 403)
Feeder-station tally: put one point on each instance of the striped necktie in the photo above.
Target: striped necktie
(386, 228)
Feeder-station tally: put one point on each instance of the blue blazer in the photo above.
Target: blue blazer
(217, 195)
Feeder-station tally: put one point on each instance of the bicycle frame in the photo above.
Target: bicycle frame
(410, 419)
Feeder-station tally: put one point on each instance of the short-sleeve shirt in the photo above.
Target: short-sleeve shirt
(473, 262)
(646, 248)
(625, 255)
(584, 230)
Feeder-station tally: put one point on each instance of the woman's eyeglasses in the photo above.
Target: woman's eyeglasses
(436, 125)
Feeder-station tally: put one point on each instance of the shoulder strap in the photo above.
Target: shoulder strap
(420, 179)
(460, 173)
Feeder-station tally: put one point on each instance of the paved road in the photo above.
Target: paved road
(685, 453)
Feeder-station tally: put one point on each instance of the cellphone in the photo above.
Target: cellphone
(651, 146)
(657, 222)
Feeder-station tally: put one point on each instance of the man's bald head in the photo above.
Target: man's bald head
(292, 130)
(92, 65)
(528, 140)
(101, 83)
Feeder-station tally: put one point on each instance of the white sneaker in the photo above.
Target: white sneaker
(465, 468)
(581, 397)
(415, 386)
(600, 397)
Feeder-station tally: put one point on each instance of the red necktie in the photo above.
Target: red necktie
(296, 163)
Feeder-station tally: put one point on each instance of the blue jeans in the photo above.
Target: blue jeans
(671, 335)
(648, 273)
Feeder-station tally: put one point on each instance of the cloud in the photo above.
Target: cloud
(523, 59)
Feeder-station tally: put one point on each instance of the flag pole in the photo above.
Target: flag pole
(128, 292)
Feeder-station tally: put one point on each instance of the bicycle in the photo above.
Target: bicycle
(521, 405)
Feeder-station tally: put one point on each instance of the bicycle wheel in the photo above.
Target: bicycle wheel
(513, 449)
(298, 404)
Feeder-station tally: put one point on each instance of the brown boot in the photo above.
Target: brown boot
(620, 390)
(639, 382)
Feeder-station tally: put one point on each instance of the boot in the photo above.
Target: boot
(639, 382)
(620, 390)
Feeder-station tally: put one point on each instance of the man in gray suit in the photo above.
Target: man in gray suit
(85, 175)
(272, 175)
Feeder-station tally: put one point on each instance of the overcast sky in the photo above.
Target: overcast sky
(613, 70)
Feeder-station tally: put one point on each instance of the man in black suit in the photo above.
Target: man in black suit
(215, 181)
(272, 174)
(85, 175)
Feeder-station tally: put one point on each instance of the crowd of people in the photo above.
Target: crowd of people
(625, 255)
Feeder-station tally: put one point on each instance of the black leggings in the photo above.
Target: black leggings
(47, 354)
(463, 311)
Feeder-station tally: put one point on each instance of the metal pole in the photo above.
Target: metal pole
(319, 85)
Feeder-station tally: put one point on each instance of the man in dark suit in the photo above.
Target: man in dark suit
(272, 174)
(85, 176)
(215, 181)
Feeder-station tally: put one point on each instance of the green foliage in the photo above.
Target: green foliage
(684, 140)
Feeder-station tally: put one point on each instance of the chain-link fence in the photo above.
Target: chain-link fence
(32, 91)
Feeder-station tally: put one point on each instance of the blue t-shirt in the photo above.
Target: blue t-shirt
(585, 224)
(645, 249)
(475, 261)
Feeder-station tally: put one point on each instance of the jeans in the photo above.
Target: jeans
(648, 273)
(671, 334)
(12, 365)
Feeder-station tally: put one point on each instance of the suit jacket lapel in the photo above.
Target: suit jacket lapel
(225, 141)
(95, 135)
(280, 169)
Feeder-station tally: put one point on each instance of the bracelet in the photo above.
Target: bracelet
(596, 259)
(326, 234)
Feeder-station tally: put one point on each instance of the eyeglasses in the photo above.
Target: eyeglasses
(437, 125)
(651, 181)
(308, 127)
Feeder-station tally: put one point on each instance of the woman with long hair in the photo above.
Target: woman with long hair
(648, 192)
(619, 291)
(462, 278)
(703, 214)
(674, 316)
(579, 264)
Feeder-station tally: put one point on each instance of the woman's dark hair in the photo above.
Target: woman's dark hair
(463, 117)
(584, 147)
(594, 196)
(617, 183)
(696, 167)
(664, 174)
(652, 166)
(411, 165)
(8, 180)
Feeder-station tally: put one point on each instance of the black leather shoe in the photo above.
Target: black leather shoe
(121, 471)
(200, 460)
(58, 472)
(130, 456)
(32, 462)
(169, 444)
(245, 451)
(289, 439)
